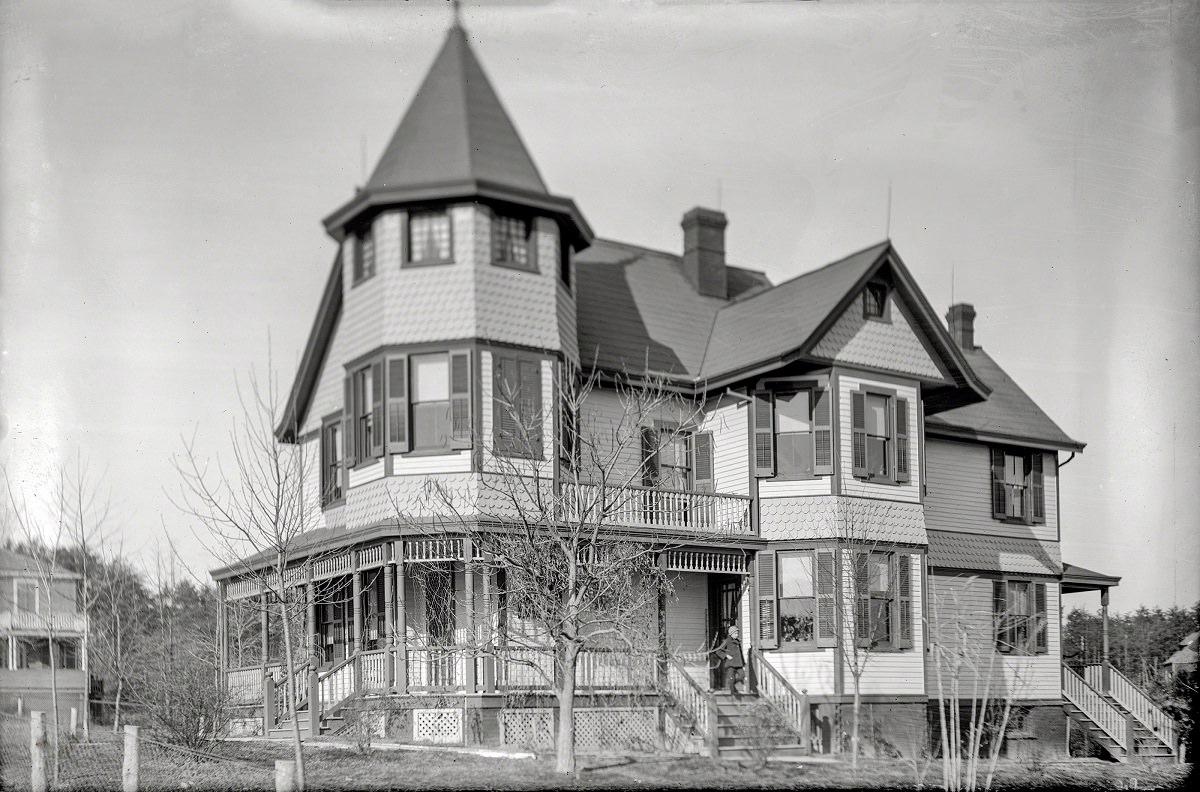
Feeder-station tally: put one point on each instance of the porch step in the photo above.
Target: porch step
(736, 718)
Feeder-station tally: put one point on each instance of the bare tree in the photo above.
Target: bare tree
(571, 579)
(256, 511)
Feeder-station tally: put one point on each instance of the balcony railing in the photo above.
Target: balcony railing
(62, 621)
(651, 507)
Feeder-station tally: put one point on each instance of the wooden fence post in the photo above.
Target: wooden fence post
(37, 751)
(129, 769)
(285, 775)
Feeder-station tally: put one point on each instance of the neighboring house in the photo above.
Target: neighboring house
(846, 435)
(1184, 660)
(40, 624)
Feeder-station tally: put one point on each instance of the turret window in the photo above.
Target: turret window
(428, 238)
(364, 254)
(511, 243)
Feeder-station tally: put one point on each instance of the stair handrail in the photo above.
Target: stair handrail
(698, 703)
(1140, 705)
(324, 676)
(1092, 704)
(774, 689)
(283, 693)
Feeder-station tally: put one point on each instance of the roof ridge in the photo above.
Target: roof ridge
(657, 252)
(781, 284)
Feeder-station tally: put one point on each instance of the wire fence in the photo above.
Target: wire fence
(99, 763)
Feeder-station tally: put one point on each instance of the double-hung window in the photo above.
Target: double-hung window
(364, 408)
(364, 254)
(797, 598)
(512, 243)
(428, 238)
(793, 436)
(882, 590)
(879, 437)
(27, 595)
(1018, 486)
(331, 462)
(667, 458)
(1019, 616)
(517, 406)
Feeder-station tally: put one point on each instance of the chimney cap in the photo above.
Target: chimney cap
(961, 321)
(702, 214)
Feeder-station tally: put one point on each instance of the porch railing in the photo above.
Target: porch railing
(436, 667)
(780, 694)
(372, 670)
(531, 668)
(288, 697)
(337, 684)
(651, 507)
(245, 685)
(1089, 701)
(1134, 699)
(696, 704)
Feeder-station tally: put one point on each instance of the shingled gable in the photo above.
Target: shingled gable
(456, 141)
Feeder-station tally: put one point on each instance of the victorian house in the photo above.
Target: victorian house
(860, 485)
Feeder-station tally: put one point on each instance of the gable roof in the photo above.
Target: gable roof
(455, 140)
(14, 564)
(1008, 415)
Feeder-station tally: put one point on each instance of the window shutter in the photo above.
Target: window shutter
(503, 410)
(351, 454)
(764, 435)
(768, 620)
(531, 408)
(902, 472)
(1000, 615)
(826, 602)
(998, 489)
(904, 599)
(862, 599)
(649, 457)
(858, 434)
(397, 401)
(460, 399)
(822, 433)
(377, 409)
(1037, 486)
(702, 462)
(1041, 626)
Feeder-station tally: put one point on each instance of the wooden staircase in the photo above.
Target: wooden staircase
(1123, 720)
(744, 729)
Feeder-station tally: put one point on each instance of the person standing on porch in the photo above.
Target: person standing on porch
(733, 662)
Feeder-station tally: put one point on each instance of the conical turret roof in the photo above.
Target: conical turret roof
(456, 141)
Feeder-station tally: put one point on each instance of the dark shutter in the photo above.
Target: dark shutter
(822, 432)
(397, 401)
(998, 489)
(904, 600)
(768, 620)
(826, 599)
(460, 399)
(1000, 615)
(531, 248)
(348, 419)
(702, 462)
(764, 435)
(649, 457)
(504, 424)
(858, 434)
(531, 408)
(376, 409)
(902, 471)
(862, 599)
(1037, 486)
(1041, 626)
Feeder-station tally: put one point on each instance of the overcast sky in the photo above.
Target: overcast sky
(166, 163)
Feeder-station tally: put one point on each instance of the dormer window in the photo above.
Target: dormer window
(875, 301)
(428, 238)
(511, 243)
(364, 254)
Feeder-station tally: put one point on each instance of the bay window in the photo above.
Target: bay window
(797, 598)
(879, 436)
(793, 436)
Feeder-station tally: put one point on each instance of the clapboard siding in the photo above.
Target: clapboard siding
(605, 422)
(959, 495)
(805, 671)
(731, 459)
(687, 613)
(311, 454)
(898, 673)
(961, 605)
(909, 491)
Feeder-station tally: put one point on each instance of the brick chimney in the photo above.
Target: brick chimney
(704, 251)
(961, 319)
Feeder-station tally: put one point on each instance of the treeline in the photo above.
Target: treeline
(1139, 643)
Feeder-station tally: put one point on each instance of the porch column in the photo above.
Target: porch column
(310, 590)
(264, 616)
(472, 636)
(1105, 669)
(389, 635)
(401, 619)
(489, 660)
(356, 593)
(222, 634)
(268, 686)
(661, 626)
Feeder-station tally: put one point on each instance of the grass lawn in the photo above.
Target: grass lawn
(342, 768)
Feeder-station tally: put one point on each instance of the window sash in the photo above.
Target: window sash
(428, 237)
(510, 242)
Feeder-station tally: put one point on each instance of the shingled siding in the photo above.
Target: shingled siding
(514, 306)
(891, 345)
(731, 461)
(909, 491)
(364, 305)
(959, 494)
(329, 393)
(963, 603)
(829, 517)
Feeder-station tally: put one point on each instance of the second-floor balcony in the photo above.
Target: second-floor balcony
(42, 623)
(658, 508)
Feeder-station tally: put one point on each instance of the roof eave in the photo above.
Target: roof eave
(313, 358)
(934, 429)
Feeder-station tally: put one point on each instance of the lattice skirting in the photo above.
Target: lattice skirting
(438, 725)
(678, 738)
(596, 730)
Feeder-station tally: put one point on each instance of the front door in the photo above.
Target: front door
(724, 606)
